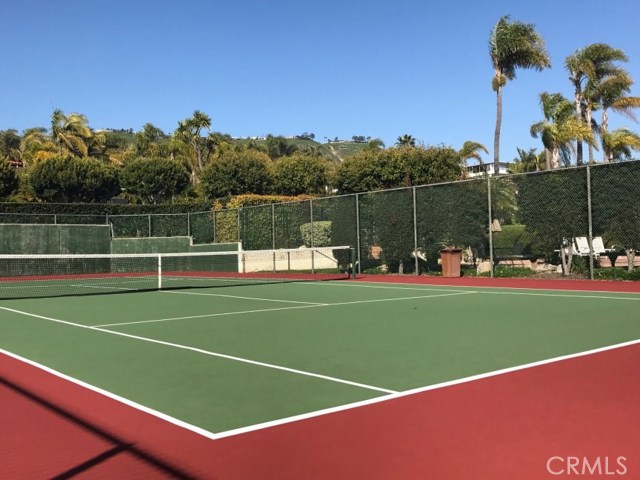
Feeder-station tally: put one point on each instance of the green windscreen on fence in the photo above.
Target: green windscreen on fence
(30, 239)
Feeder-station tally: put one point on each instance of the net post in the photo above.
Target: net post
(415, 232)
(358, 232)
(313, 270)
(159, 272)
(489, 202)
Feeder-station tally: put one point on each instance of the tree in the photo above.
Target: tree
(8, 178)
(618, 144)
(370, 170)
(558, 129)
(528, 161)
(64, 179)
(375, 144)
(149, 140)
(10, 145)
(613, 96)
(300, 174)
(279, 147)
(512, 45)
(602, 74)
(36, 145)
(406, 140)
(470, 150)
(194, 146)
(237, 172)
(71, 133)
(154, 180)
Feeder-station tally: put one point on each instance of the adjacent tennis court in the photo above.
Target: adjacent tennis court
(228, 362)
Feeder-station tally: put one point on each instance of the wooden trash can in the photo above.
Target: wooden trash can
(451, 259)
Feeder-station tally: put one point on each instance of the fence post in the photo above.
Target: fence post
(358, 233)
(415, 232)
(312, 232)
(238, 222)
(490, 224)
(188, 224)
(214, 227)
(273, 226)
(149, 217)
(590, 219)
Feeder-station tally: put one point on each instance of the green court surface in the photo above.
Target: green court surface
(231, 357)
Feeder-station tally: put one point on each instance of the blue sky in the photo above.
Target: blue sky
(334, 68)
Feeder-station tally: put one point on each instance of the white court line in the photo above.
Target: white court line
(482, 287)
(262, 310)
(181, 292)
(414, 391)
(326, 411)
(113, 396)
(206, 352)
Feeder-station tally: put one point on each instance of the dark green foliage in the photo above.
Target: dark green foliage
(8, 178)
(396, 167)
(279, 147)
(235, 173)
(300, 174)
(154, 180)
(370, 170)
(430, 164)
(71, 179)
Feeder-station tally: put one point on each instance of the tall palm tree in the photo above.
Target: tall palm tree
(558, 129)
(600, 69)
(512, 45)
(619, 143)
(406, 140)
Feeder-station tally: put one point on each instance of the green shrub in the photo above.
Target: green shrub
(317, 234)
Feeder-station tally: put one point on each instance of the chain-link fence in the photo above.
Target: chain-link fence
(574, 221)
(577, 221)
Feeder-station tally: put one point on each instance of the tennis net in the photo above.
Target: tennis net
(26, 276)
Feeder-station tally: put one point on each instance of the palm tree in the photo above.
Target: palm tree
(71, 133)
(588, 67)
(618, 144)
(470, 150)
(613, 96)
(188, 137)
(512, 45)
(406, 140)
(36, 145)
(528, 161)
(558, 129)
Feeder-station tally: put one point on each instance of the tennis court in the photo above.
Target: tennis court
(332, 379)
